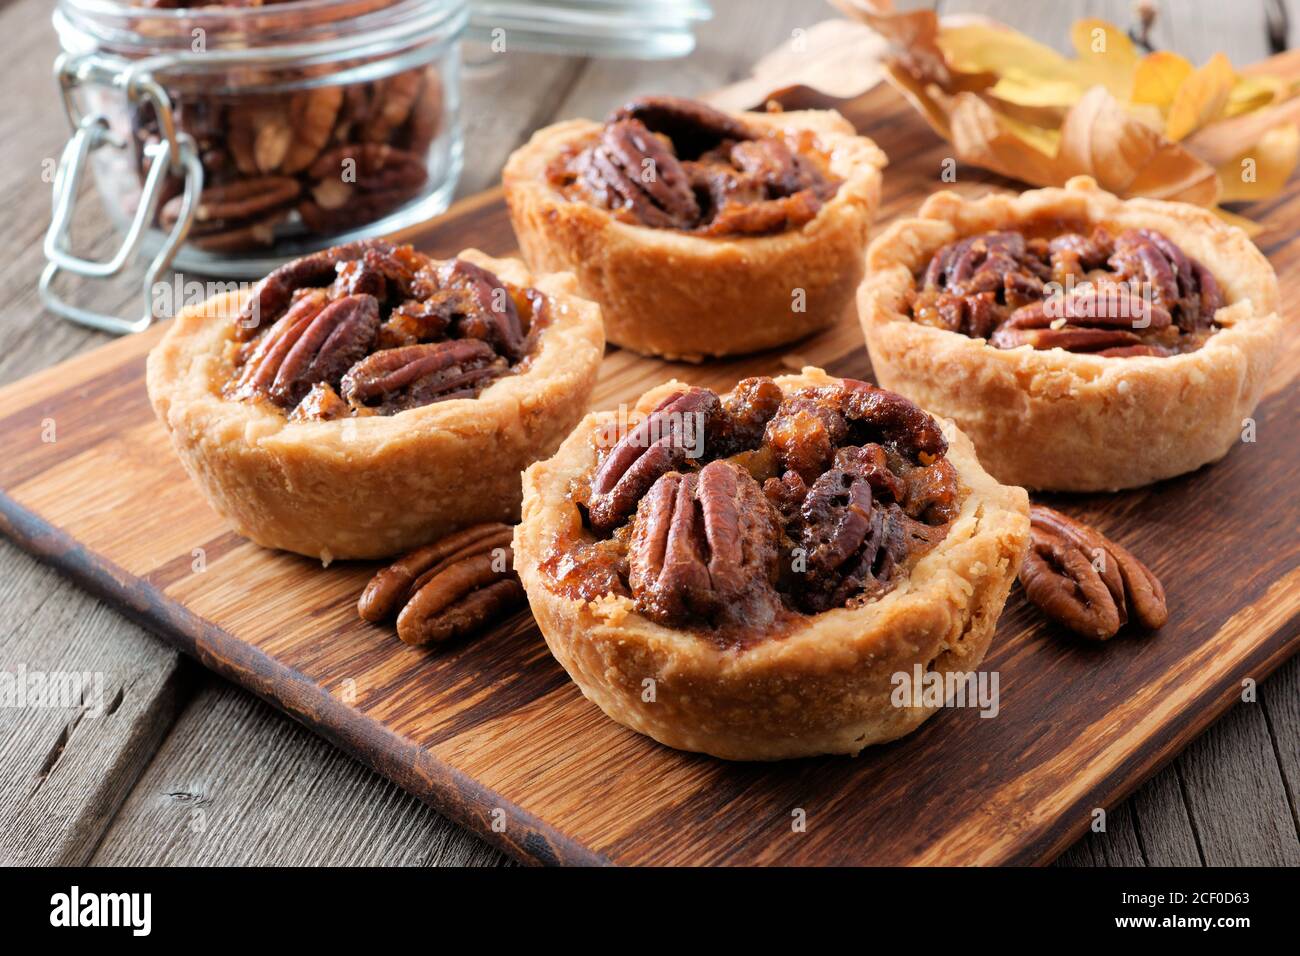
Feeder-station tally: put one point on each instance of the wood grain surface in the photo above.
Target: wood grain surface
(184, 740)
(494, 733)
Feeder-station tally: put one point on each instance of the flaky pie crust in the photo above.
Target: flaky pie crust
(370, 487)
(681, 296)
(1053, 419)
(824, 687)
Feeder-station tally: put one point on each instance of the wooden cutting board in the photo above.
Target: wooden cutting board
(495, 735)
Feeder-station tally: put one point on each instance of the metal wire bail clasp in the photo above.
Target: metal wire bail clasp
(175, 154)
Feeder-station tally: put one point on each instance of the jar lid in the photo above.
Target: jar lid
(633, 29)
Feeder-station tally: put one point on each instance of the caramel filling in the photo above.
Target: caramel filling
(375, 329)
(738, 518)
(672, 163)
(1124, 294)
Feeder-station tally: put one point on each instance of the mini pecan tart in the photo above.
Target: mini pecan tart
(1083, 342)
(367, 399)
(699, 232)
(747, 575)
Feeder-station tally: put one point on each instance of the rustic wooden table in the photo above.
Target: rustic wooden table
(191, 770)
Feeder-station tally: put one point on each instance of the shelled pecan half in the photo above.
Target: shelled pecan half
(705, 548)
(1086, 582)
(692, 127)
(357, 183)
(452, 588)
(756, 187)
(631, 166)
(393, 380)
(491, 314)
(273, 294)
(662, 441)
(318, 345)
(242, 212)
(1180, 284)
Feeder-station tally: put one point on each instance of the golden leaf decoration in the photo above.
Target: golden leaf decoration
(1105, 55)
(1201, 97)
(1100, 139)
(1158, 76)
(1141, 125)
(1262, 170)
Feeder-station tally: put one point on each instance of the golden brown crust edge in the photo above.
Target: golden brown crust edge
(826, 687)
(376, 486)
(1063, 421)
(680, 296)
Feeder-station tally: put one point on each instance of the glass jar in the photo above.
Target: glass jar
(283, 127)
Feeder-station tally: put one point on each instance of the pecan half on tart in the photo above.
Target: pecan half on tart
(1083, 342)
(367, 399)
(746, 575)
(700, 232)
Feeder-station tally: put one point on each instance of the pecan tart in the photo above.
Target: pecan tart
(746, 575)
(367, 399)
(1083, 342)
(700, 232)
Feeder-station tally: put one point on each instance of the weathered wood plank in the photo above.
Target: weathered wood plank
(1235, 791)
(62, 773)
(70, 756)
(1281, 705)
(1117, 845)
(505, 97)
(1164, 826)
(213, 797)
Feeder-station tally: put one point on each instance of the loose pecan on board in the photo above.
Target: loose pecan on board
(452, 588)
(1086, 582)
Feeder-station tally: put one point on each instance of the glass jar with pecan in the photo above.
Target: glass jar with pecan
(283, 127)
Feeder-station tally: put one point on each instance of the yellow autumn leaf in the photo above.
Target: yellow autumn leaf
(1022, 65)
(1201, 97)
(984, 138)
(1106, 56)
(1046, 141)
(1025, 91)
(1253, 92)
(1099, 138)
(1020, 108)
(1262, 170)
(1158, 77)
(1222, 140)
